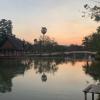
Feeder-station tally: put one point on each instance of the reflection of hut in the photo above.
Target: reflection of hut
(11, 46)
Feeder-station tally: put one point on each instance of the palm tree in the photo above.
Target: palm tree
(43, 31)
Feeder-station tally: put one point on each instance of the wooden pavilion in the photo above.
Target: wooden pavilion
(11, 47)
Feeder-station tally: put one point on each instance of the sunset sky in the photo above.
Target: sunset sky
(61, 17)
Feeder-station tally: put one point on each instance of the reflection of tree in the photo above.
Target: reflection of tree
(10, 69)
(44, 77)
(47, 65)
(93, 70)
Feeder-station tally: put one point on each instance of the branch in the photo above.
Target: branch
(95, 1)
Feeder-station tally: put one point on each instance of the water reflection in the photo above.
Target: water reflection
(10, 69)
(93, 69)
(62, 68)
(47, 65)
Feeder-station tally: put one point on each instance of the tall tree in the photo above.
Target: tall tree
(92, 42)
(6, 27)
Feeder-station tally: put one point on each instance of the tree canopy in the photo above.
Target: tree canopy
(5, 26)
(92, 42)
(93, 11)
(44, 44)
(5, 29)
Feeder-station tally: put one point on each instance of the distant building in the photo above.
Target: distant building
(11, 46)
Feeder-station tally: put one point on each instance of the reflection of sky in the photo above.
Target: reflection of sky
(65, 84)
(62, 18)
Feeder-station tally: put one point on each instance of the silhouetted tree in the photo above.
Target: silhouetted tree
(43, 30)
(35, 41)
(93, 12)
(5, 27)
(28, 47)
(92, 42)
(44, 44)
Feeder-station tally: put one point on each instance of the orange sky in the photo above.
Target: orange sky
(70, 33)
(61, 17)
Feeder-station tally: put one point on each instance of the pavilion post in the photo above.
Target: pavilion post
(85, 94)
(92, 96)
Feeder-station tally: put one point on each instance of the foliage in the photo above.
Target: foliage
(93, 12)
(92, 42)
(47, 41)
(6, 30)
(48, 45)
(2, 38)
(44, 44)
(28, 47)
(5, 27)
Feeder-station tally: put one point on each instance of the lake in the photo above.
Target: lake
(47, 78)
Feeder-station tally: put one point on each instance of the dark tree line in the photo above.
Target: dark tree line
(48, 45)
(92, 42)
(42, 45)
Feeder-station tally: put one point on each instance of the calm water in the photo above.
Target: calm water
(46, 79)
